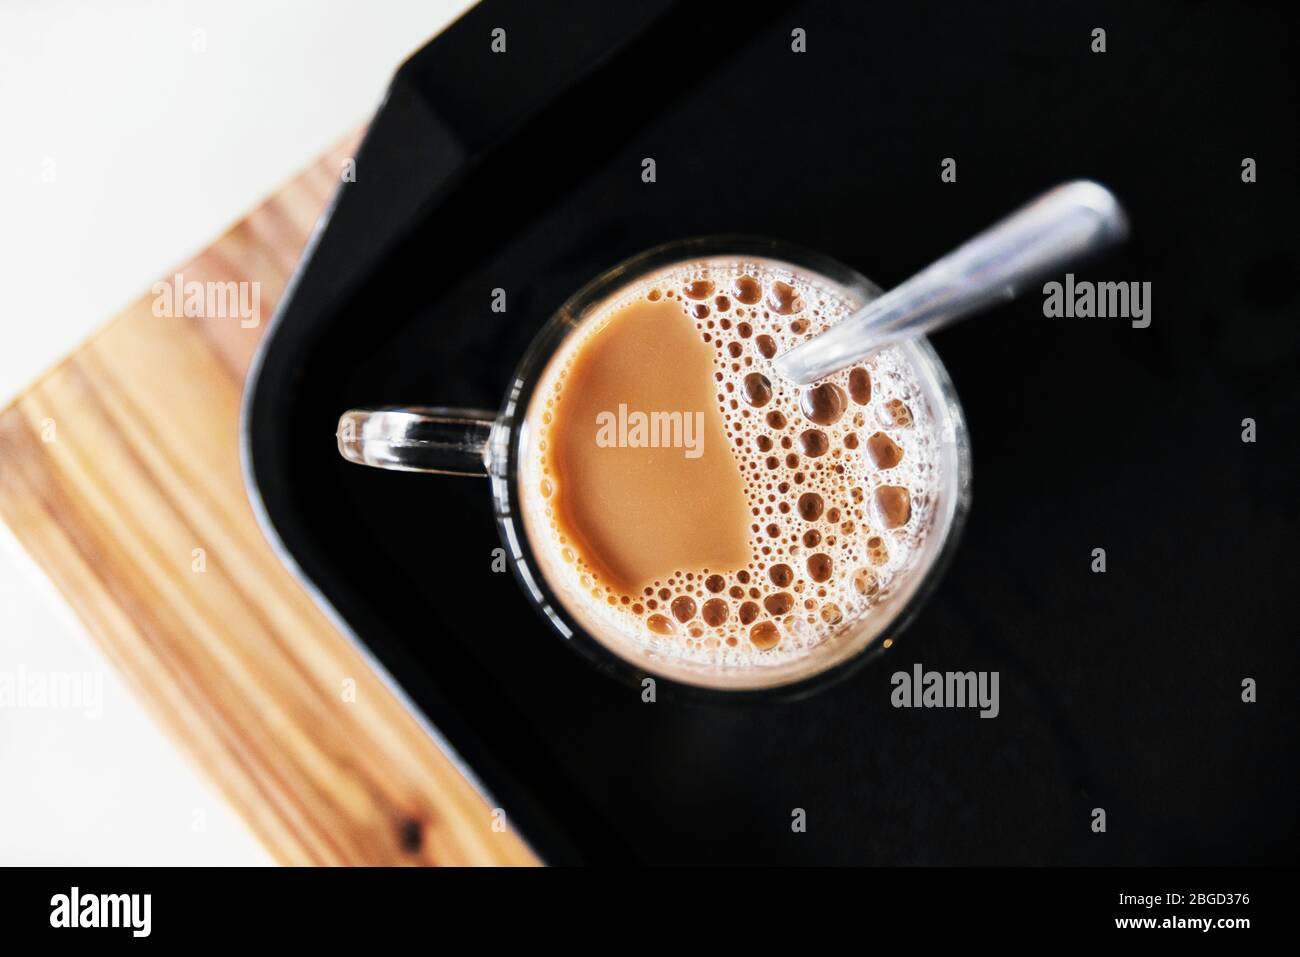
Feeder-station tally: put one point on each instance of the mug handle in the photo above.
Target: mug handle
(417, 439)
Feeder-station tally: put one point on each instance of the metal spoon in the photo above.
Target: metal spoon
(1063, 225)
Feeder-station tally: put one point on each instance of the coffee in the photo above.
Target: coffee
(689, 504)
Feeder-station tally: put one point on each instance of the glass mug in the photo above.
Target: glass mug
(454, 441)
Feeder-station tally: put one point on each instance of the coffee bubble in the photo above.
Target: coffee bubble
(820, 567)
(783, 299)
(814, 442)
(860, 385)
(765, 635)
(884, 451)
(894, 505)
(779, 603)
(823, 404)
(810, 506)
(660, 625)
(699, 289)
(748, 290)
(757, 389)
(714, 612)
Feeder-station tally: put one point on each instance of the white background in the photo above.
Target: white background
(124, 150)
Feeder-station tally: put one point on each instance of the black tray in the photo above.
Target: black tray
(1119, 690)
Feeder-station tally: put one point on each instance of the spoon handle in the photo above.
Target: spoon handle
(1061, 226)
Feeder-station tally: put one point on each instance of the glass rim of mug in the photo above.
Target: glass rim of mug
(509, 436)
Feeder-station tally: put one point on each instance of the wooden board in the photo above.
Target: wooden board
(120, 463)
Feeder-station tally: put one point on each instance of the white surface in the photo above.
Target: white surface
(133, 134)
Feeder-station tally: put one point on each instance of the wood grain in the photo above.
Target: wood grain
(121, 462)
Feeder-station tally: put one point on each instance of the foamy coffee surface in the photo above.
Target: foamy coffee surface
(840, 479)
